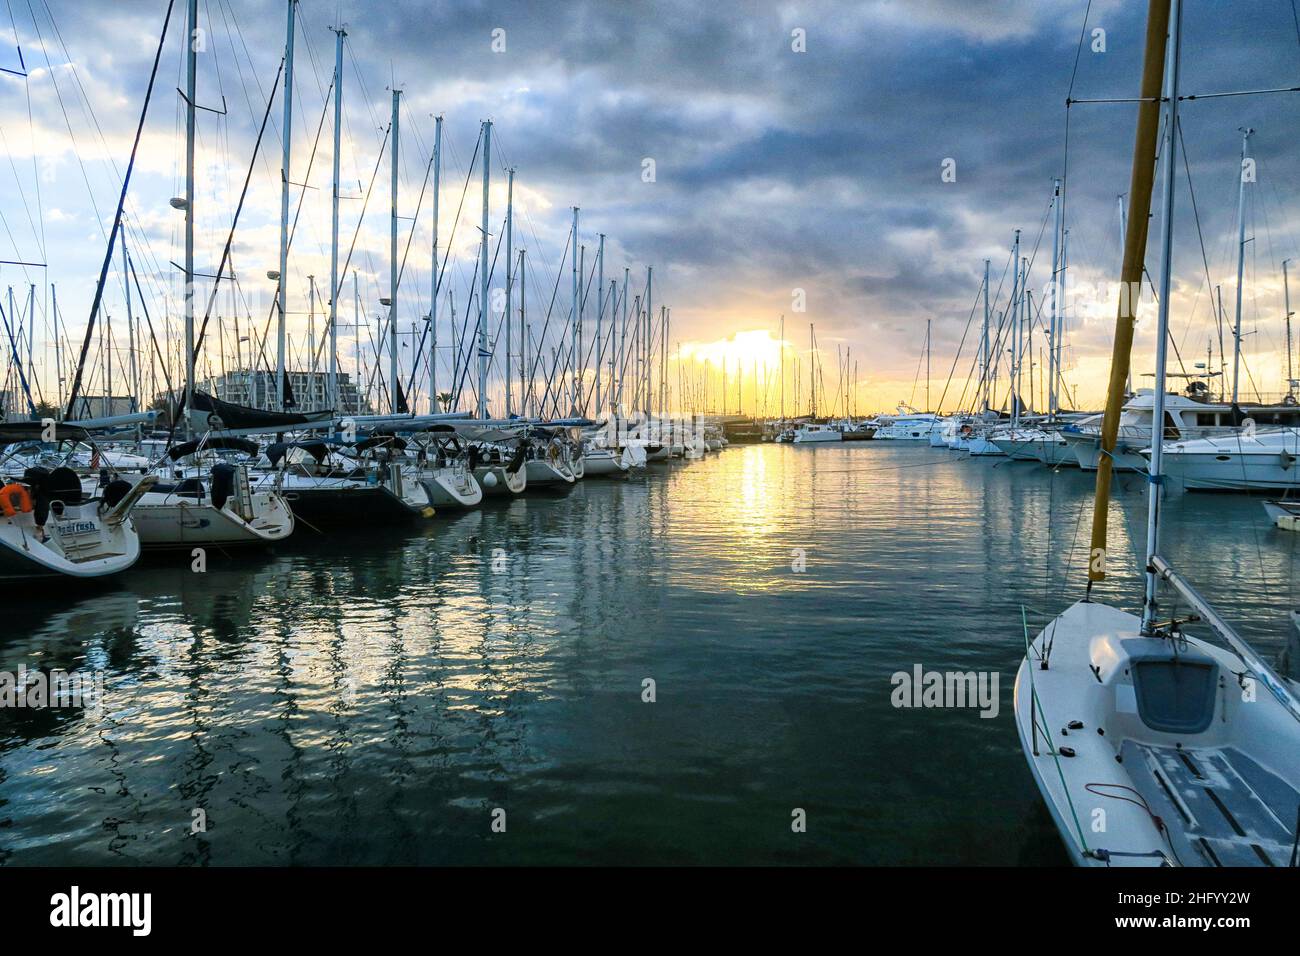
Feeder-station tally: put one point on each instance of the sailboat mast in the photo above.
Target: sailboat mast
(1123, 231)
(1241, 262)
(812, 372)
(191, 67)
(1286, 299)
(649, 338)
(523, 340)
(1135, 241)
(332, 400)
(781, 360)
(393, 386)
(483, 276)
(600, 313)
(622, 362)
(433, 281)
(1016, 294)
(1055, 320)
(985, 341)
(510, 257)
(1168, 153)
(283, 278)
(130, 335)
(576, 385)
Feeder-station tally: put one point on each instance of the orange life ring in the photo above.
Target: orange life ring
(14, 498)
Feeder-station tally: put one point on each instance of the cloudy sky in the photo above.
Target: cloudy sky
(798, 153)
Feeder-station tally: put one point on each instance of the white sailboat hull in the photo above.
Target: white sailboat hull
(451, 487)
(503, 481)
(1176, 729)
(541, 474)
(604, 461)
(80, 544)
(1264, 461)
(166, 520)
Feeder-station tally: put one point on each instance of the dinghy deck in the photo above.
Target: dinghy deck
(1233, 812)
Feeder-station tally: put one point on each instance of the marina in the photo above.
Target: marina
(432, 443)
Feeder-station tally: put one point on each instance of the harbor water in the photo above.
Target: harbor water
(669, 669)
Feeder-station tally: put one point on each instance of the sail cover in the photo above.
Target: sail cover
(241, 416)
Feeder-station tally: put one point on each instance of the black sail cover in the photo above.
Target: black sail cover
(241, 416)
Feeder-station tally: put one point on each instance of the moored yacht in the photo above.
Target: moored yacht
(811, 432)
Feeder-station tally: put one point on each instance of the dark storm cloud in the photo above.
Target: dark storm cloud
(779, 170)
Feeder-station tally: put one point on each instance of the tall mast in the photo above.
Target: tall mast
(927, 366)
(1168, 154)
(984, 343)
(1016, 294)
(600, 313)
(332, 400)
(663, 360)
(1055, 321)
(1135, 241)
(130, 333)
(393, 385)
(433, 281)
(483, 277)
(781, 359)
(649, 336)
(622, 363)
(613, 344)
(812, 372)
(356, 339)
(1241, 262)
(287, 134)
(510, 257)
(574, 318)
(1123, 231)
(523, 340)
(1286, 294)
(191, 66)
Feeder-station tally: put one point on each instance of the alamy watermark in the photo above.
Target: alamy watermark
(40, 689)
(946, 689)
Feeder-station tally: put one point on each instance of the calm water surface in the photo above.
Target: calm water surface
(371, 698)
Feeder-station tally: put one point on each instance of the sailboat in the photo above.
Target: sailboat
(1152, 747)
(208, 502)
(50, 528)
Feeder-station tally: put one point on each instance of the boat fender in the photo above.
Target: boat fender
(115, 491)
(490, 480)
(15, 499)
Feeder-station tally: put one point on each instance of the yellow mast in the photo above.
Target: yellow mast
(1135, 243)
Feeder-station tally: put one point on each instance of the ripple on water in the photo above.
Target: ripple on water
(372, 698)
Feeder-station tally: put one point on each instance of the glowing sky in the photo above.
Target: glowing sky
(804, 184)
